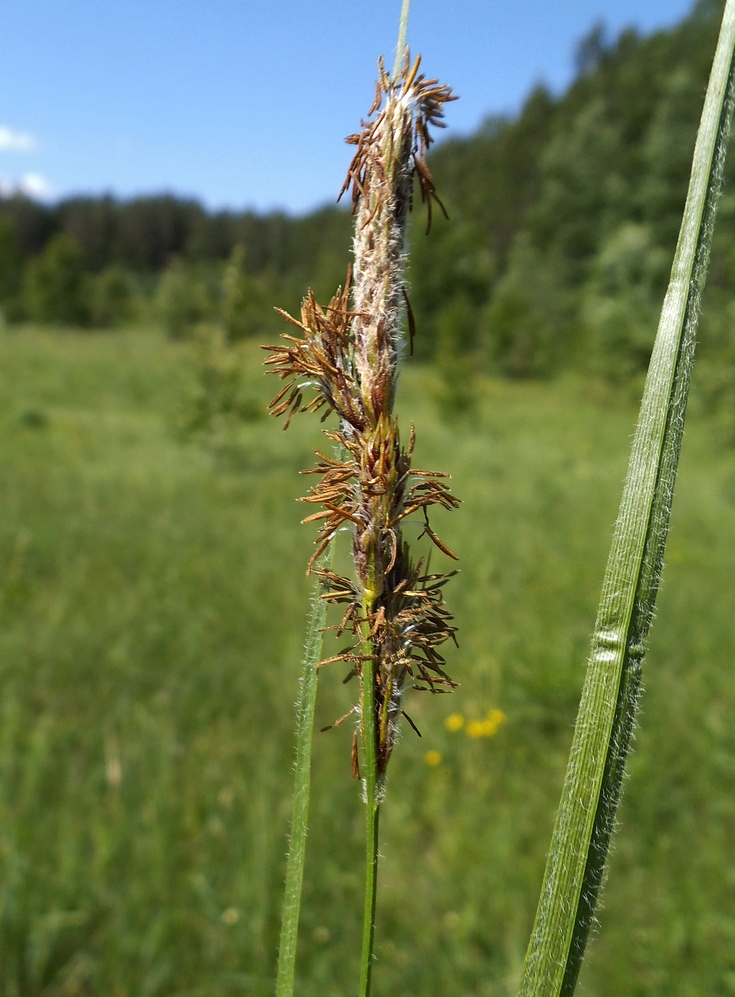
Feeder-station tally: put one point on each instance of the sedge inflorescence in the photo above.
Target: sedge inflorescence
(344, 361)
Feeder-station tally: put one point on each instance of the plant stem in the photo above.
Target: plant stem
(402, 31)
(372, 802)
(592, 788)
(302, 782)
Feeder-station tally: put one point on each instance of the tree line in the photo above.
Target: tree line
(562, 227)
(96, 261)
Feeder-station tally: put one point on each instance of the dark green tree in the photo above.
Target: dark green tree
(11, 266)
(110, 297)
(244, 299)
(53, 289)
(185, 298)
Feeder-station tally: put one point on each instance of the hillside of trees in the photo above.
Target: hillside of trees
(564, 221)
(562, 227)
(98, 261)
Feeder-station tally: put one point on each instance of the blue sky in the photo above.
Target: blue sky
(245, 103)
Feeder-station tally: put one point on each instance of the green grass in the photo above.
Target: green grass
(151, 619)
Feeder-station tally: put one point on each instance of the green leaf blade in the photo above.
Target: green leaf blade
(286, 973)
(605, 721)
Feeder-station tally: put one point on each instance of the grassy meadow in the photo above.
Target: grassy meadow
(152, 605)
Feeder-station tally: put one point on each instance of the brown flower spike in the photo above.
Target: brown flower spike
(347, 355)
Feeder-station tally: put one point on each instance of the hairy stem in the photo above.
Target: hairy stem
(592, 788)
(302, 783)
(372, 802)
(402, 31)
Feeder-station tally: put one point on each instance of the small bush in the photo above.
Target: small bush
(456, 332)
(244, 300)
(219, 397)
(184, 299)
(527, 327)
(10, 266)
(620, 303)
(110, 297)
(54, 286)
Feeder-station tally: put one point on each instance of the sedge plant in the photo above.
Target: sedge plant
(586, 817)
(344, 362)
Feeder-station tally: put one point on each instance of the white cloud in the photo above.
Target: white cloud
(11, 141)
(32, 185)
(35, 185)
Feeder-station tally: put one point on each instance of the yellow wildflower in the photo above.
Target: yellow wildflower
(488, 727)
(432, 759)
(454, 722)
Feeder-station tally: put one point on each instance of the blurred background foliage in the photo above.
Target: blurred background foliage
(563, 223)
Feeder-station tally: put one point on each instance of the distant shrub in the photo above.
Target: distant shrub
(453, 264)
(219, 395)
(526, 328)
(244, 299)
(714, 373)
(54, 286)
(620, 302)
(456, 334)
(110, 297)
(184, 299)
(10, 266)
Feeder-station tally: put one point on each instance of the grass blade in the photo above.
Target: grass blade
(302, 784)
(592, 786)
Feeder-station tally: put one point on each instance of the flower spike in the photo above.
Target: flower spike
(345, 362)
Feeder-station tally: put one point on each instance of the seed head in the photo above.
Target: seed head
(346, 359)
